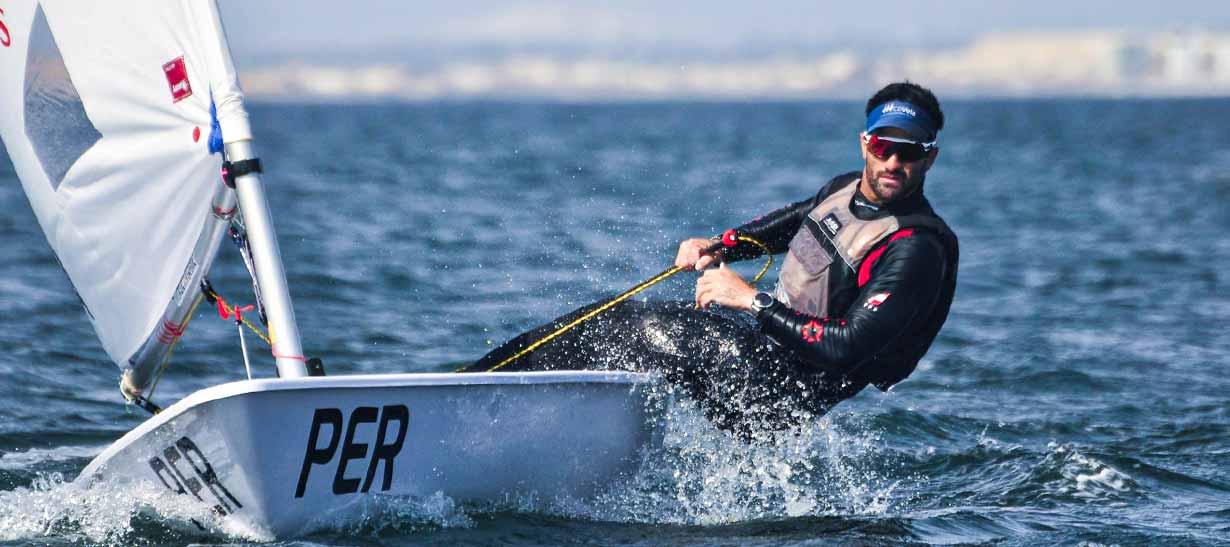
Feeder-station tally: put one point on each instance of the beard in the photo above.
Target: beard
(889, 186)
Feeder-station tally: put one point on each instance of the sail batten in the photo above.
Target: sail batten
(107, 126)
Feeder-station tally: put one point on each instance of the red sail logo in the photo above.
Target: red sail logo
(177, 78)
(5, 39)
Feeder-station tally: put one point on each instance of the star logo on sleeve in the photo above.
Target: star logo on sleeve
(812, 332)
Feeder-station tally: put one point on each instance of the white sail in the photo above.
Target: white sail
(106, 116)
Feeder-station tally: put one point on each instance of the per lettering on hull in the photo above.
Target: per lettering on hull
(354, 469)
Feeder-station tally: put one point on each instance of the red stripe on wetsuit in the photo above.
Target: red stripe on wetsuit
(864, 269)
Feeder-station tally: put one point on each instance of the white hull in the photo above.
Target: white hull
(276, 456)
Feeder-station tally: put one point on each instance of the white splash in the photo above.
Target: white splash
(102, 513)
(703, 476)
(378, 514)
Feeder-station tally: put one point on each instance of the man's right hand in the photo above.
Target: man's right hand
(692, 254)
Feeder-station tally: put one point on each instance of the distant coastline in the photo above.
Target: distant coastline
(1173, 63)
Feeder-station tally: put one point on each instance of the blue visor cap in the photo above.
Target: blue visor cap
(902, 115)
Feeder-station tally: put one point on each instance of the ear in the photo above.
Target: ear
(862, 145)
(935, 153)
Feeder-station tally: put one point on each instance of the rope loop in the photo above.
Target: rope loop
(768, 263)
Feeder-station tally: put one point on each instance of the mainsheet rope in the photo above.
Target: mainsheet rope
(728, 239)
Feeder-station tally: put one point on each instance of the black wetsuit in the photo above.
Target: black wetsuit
(859, 342)
(747, 377)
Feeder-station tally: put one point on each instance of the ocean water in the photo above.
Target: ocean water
(1076, 396)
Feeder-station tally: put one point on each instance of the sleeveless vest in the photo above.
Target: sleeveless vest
(820, 273)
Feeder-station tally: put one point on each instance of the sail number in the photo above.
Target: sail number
(184, 453)
(5, 39)
(385, 446)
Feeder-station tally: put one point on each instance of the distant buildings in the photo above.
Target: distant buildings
(1088, 63)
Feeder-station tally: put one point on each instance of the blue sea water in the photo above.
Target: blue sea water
(1076, 396)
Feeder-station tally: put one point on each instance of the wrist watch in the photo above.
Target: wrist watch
(761, 301)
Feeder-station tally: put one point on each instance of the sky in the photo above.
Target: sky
(264, 27)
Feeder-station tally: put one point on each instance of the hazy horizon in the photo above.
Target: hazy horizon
(263, 27)
(641, 50)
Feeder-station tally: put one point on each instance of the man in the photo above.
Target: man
(867, 282)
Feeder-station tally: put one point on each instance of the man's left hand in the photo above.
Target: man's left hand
(723, 286)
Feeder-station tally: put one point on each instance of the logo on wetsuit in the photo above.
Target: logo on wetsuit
(860, 202)
(873, 303)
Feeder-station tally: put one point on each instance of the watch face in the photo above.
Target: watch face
(763, 300)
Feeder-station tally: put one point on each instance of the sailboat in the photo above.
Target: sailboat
(126, 124)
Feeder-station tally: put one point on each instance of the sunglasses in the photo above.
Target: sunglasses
(906, 150)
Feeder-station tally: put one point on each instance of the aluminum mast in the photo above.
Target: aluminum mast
(267, 259)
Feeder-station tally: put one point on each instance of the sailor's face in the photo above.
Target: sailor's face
(890, 179)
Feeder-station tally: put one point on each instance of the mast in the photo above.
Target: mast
(267, 258)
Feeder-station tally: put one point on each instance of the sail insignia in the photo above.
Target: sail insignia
(177, 78)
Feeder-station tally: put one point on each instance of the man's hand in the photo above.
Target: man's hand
(725, 287)
(691, 254)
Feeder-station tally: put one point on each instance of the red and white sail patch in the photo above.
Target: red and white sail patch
(6, 39)
(873, 302)
(177, 78)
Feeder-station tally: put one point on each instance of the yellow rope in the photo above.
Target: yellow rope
(255, 329)
(589, 316)
(767, 263)
(629, 294)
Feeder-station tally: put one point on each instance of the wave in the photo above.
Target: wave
(34, 458)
